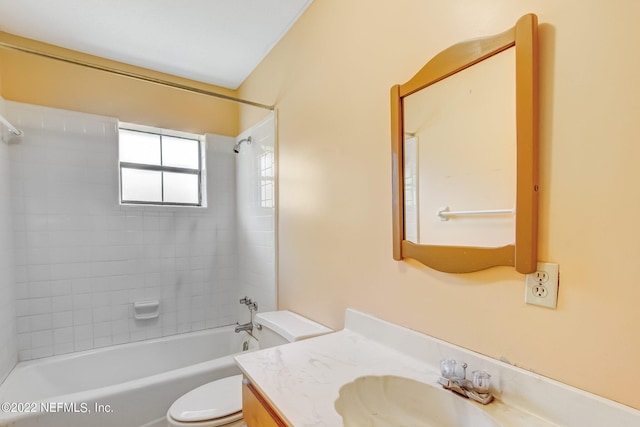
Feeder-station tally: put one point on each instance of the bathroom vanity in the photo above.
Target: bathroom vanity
(298, 384)
(256, 411)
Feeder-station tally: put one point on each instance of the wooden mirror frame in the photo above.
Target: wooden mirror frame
(523, 255)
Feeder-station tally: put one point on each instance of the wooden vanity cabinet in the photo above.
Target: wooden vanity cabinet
(256, 411)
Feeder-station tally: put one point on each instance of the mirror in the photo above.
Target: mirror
(464, 147)
(460, 156)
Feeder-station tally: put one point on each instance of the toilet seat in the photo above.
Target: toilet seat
(214, 404)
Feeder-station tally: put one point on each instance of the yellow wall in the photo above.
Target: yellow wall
(330, 78)
(41, 81)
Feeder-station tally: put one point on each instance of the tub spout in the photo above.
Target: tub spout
(245, 327)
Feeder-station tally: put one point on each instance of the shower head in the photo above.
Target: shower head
(236, 148)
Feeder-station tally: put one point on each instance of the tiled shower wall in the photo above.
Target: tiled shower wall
(8, 346)
(82, 259)
(256, 214)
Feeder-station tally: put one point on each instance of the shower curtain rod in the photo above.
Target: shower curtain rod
(135, 76)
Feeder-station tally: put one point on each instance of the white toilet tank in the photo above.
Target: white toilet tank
(281, 327)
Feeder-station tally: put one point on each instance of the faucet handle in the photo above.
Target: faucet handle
(452, 369)
(481, 381)
(245, 300)
(448, 368)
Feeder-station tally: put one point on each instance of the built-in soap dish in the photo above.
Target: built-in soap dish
(147, 309)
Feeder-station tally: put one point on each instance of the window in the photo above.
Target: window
(159, 167)
(266, 179)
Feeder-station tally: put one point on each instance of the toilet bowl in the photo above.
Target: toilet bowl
(219, 403)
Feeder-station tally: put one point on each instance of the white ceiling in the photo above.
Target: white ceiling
(213, 41)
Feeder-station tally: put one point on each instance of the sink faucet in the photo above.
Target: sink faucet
(454, 378)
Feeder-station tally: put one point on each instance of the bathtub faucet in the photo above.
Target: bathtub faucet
(252, 306)
(246, 327)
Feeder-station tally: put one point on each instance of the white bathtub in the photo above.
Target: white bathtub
(125, 385)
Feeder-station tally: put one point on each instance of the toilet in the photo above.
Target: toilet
(219, 403)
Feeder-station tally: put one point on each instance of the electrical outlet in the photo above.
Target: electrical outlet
(541, 287)
(541, 276)
(539, 291)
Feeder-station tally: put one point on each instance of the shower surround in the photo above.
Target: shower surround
(82, 259)
(8, 345)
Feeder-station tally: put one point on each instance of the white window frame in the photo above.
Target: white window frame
(200, 171)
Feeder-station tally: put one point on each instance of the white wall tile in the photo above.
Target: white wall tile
(42, 339)
(40, 322)
(82, 259)
(255, 230)
(39, 352)
(63, 335)
(62, 319)
(63, 348)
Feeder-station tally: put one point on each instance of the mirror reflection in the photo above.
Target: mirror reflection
(460, 155)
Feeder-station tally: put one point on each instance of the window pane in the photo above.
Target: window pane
(180, 152)
(266, 194)
(141, 185)
(139, 147)
(266, 183)
(266, 164)
(180, 188)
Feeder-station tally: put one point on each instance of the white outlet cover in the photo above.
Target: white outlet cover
(533, 280)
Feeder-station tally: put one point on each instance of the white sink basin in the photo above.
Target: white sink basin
(389, 401)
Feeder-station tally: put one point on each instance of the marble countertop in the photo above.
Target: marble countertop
(303, 379)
